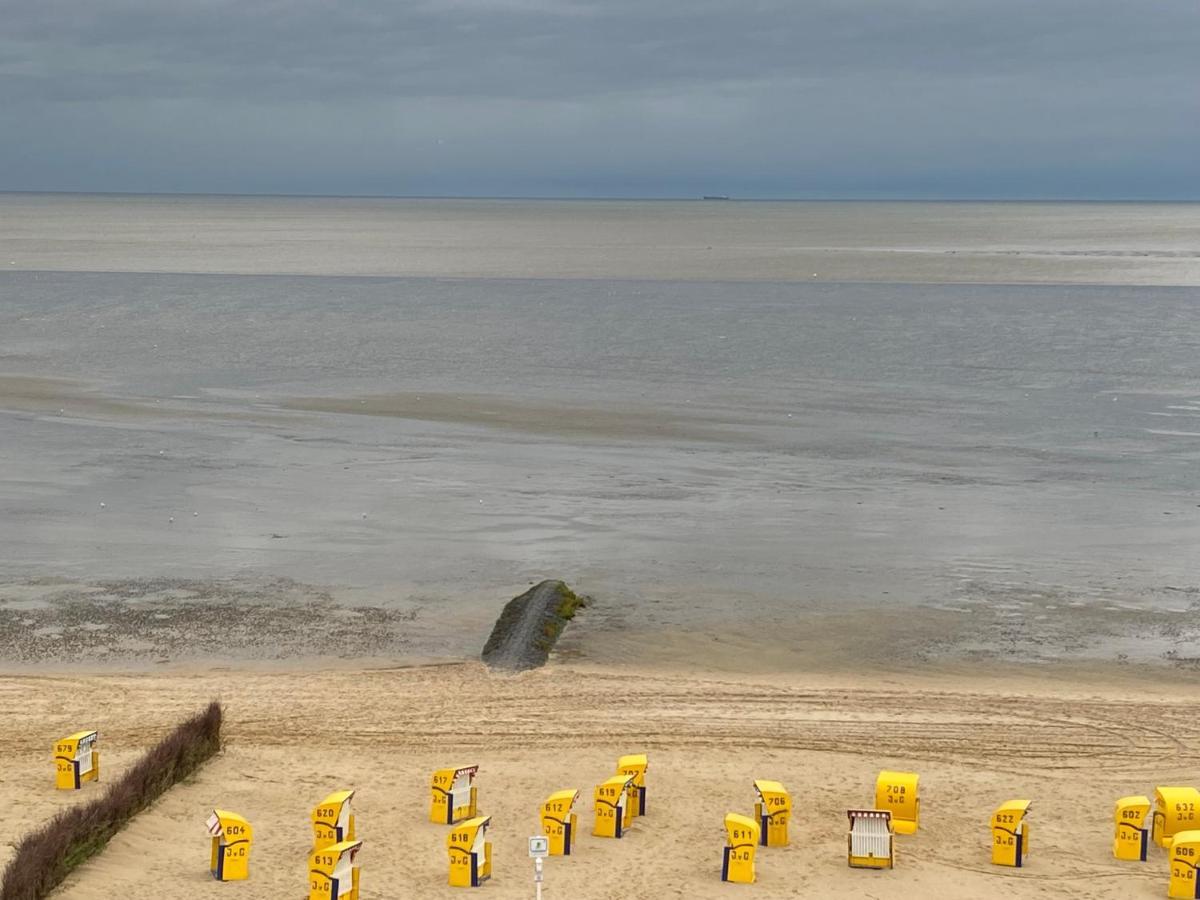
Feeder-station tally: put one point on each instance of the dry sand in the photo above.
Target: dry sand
(1072, 740)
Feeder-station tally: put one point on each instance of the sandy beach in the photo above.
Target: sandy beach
(1072, 740)
(935, 509)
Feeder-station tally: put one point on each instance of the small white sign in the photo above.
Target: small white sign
(539, 847)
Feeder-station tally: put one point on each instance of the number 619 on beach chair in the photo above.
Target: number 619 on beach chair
(612, 804)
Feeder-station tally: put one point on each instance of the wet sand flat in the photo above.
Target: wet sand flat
(1072, 742)
(1015, 468)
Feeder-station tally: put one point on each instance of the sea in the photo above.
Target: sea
(734, 421)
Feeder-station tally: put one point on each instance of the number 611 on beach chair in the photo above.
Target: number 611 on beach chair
(741, 842)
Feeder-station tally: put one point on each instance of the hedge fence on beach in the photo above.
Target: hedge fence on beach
(45, 857)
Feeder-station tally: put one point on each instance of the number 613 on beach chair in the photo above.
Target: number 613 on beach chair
(333, 872)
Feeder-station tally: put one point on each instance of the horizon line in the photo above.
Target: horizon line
(709, 198)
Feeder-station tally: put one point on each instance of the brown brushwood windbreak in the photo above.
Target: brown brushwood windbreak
(45, 857)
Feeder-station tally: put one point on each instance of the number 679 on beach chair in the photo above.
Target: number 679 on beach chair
(76, 760)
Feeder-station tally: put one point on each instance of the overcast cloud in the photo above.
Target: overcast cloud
(937, 98)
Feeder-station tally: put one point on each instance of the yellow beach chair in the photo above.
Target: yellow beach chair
(741, 842)
(773, 811)
(897, 793)
(232, 838)
(333, 872)
(453, 795)
(1131, 837)
(76, 760)
(1010, 834)
(333, 820)
(470, 852)
(559, 821)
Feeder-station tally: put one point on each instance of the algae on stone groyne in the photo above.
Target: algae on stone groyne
(530, 625)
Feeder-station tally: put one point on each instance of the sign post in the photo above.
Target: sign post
(539, 849)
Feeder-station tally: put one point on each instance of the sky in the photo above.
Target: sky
(1094, 99)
